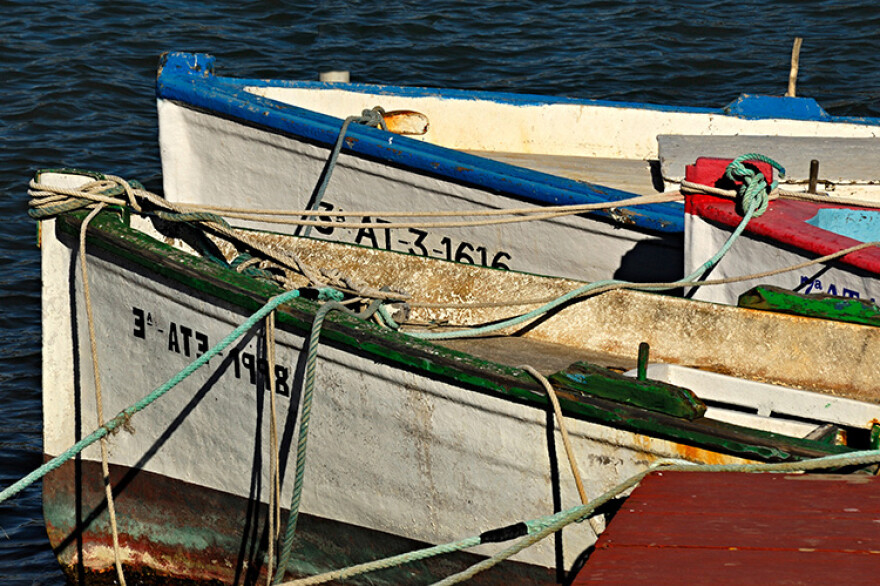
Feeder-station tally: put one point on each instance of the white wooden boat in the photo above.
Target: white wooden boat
(265, 144)
(412, 442)
(791, 233)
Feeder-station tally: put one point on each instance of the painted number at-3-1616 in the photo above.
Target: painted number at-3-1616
(418, 242)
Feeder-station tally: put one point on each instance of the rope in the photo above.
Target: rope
(569, 451)
(126, 414)
(49, 200)
(212, 214)
(374, 117)
(274, 512)
(305, 417)
(753, 186)
(579, 513)
(650, 285)
(525, 215)
(753, 192)
(689, 187)
(539, 528)
(256, 213)
(557, 409)
(99, 401)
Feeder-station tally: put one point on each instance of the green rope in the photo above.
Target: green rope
(581, 512)
(127, 413)
(191, 217)
(541, 527)
(305, 417)
(754, 191)
(50, 211)
(374, 118)
(753, 185)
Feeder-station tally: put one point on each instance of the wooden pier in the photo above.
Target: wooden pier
(739, 528)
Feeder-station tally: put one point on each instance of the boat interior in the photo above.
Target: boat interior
(635, 148)
(802, 368)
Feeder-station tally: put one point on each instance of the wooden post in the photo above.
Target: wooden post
(792, 76)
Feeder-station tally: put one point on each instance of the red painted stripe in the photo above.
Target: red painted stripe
(784, 222)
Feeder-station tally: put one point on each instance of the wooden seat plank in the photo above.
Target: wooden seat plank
(841, 160)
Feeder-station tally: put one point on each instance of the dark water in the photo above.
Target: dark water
(77, 81)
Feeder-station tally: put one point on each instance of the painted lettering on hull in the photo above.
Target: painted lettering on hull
(185, 340)
(812, 285)
(417, 242)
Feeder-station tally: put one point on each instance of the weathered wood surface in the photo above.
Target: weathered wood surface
(632, 175)
(840, 159)
(737, 528)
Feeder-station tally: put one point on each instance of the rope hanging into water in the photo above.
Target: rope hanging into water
(99, 400)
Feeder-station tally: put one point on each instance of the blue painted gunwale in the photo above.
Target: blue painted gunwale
(188, 78)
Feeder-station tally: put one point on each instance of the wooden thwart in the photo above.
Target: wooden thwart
(841, 160)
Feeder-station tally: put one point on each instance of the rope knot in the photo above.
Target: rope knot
(754, 193)
(374, 117)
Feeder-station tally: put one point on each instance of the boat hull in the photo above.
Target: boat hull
(185, 533)
(261, 168)
(784, 236)
(426, 453)
(265, 144)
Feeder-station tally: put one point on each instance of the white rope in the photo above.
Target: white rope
(274, 479)
(689, 187)
(535, 213)
(99, 402)
(595, 524)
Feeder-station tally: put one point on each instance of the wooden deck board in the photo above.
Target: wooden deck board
(546, 357)
(840, 159)
(633, 176)
(734, 528)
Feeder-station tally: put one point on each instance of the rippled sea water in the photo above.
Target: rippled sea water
(77, 89)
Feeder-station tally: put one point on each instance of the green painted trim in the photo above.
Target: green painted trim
(109, 234)
(648, 394)
(831, 307)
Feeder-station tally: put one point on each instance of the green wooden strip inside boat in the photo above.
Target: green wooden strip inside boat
(648, 394)
(109, 237)
(831, 307)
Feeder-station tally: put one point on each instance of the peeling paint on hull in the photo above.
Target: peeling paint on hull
(176, 532)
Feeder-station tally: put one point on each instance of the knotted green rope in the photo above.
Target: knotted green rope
(754, 191)
(753, 186)
(373, 117)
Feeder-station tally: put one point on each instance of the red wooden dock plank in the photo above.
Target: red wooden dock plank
(691, 567)
(725, 528)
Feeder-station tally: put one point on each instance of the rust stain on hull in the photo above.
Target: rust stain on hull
(173, 532)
